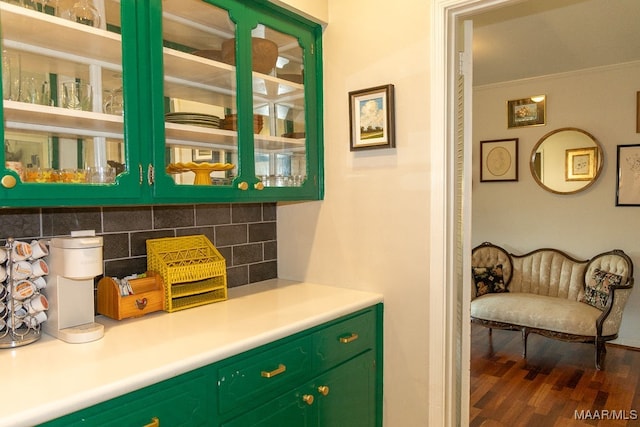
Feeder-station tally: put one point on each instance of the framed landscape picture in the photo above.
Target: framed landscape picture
(371, 118)
(527, 112)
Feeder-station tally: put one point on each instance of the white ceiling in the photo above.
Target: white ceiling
(541, 37)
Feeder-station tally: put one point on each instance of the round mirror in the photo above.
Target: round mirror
(566, 161)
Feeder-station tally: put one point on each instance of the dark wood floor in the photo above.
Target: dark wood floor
(555, 386)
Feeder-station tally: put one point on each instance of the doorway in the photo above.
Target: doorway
(449, 364)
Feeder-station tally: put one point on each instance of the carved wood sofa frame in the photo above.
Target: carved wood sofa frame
(564, 277)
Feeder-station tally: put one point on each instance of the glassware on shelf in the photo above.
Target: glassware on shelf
(114, 102)
(77, 96)
(11, 71)
(85, 13)
(49, 6)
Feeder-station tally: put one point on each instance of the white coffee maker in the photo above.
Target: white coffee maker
(73, 264)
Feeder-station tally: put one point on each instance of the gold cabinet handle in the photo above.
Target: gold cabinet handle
(270, 374)
(308, 399)
(351, 338)
(8, 181)
(243, 186)
(323, 390)
(150, 175)
(155, 422)
(258, 186)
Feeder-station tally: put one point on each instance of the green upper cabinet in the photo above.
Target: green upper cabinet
(66, 81)
(192, 101)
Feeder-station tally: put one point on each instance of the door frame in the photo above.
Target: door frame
(448, 384)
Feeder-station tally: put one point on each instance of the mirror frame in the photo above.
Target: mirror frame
(598, 170)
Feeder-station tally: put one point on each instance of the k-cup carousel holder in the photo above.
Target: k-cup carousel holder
(23, 308)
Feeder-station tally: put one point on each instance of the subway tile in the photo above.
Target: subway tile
(62, 221)
(249, 212)
(270, 250)
(262, 231)
(237, 276)
(127, 218)
(269, 211)
(173, 216)
(213, 214)
(263, 271)
(246, 254)
(19, 223)
(227, 235)
(226, 254)
(125, 267)
(115, 246)
(245, 234)
(139, 240)
(208, 232)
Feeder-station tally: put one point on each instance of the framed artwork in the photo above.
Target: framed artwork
(527, 112)
(628, 180)
(580, 164)
(372, 118)
(638, 112)
(499, 160)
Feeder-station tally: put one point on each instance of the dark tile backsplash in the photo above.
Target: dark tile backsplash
(245, 234)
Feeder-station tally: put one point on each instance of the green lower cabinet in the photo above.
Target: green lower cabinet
(350, 399)
(342, 397)
(327, 376)
(185, 400)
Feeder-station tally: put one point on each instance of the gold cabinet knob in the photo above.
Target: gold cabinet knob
(243, 186)
(8, 181)
(258, 186)
(323, 390)
(308, 399)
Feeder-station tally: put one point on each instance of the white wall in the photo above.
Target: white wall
(522, 216)
(371, 231)
(316, 10)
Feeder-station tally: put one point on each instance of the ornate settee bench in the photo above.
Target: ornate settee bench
(547, 292)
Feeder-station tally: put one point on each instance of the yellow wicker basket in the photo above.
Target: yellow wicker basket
(193, 270)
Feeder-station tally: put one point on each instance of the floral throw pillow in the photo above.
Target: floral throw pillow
(597, 289)
(488, 280)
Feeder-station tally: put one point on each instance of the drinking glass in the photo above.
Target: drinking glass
(77, 96)
(11, 76)
(114, 102)
(101, 174)
(85, 13)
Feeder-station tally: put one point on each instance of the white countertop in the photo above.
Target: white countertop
(50, 378)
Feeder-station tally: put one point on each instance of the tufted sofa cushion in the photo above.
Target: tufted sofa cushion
(539, 312)
(550, 273)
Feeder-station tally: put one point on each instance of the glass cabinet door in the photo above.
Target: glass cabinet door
(64, 101)
(199, 93)
(279, 109)
(235, 103)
